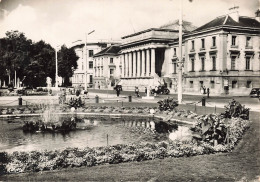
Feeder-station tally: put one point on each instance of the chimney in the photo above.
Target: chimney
(257, 15)
(233, 13)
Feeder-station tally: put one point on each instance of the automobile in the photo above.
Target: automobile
(118, 87)
(255, 92)
(162, 89)
(23, 90)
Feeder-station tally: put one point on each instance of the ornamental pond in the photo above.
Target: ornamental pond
(92, 131)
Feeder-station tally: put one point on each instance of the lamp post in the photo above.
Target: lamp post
(56, 71)
(85, 67)
(180, 62)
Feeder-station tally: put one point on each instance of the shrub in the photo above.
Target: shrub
(235, 109)
(167, 104)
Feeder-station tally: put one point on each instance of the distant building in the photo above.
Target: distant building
(78, 78)
(107, 67)
(223, 55)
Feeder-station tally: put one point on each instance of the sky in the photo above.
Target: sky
(65, 21)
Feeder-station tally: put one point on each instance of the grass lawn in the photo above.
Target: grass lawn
(243, 164)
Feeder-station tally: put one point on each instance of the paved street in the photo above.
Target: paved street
(110, 96)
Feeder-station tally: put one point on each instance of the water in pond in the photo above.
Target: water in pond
(98, 132)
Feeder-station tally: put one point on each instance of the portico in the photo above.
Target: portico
(143, 58)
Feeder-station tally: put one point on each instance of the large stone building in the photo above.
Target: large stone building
(223, 55)
(85, 54)
(147, 56)
(107, 67)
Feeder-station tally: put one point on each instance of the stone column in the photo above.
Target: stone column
(147, 62)
(123, 65)
(130, 64)
(143, 63)
(138, 64)
(134, 64)
(126, 64)
(152, 62)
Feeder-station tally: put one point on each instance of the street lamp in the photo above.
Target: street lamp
(86, 54)
(180, 62)
(56, 72)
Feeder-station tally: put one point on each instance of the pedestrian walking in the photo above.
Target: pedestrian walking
(208, 92)
(145, 90)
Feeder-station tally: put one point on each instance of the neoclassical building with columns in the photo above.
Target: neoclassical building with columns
(146, 58)
(222, 55)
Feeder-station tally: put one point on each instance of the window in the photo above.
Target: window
(234, 40)
(248, 41)
(202, 64)
(233, 63)
(90, 53)
(191, 84)
(174, 51)
(90, 79)
(174, 67)
(247, 63)
(249, 84)
(90, 64)
(213, 63)
(111, 71)
(201, 83)
(192, 44)
(203, 43)
(213, 41)
(111, 60)
(234, 84)
(212, 84)
(192, 64)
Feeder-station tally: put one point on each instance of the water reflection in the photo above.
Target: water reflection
(93, 133)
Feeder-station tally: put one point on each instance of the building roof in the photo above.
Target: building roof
(244, 22)
(169, 27)
(111, 50)
(174, 25)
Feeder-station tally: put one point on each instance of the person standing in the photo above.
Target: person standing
(145, 90)
(155, 91)
(137, 92)
(117, 91)
(204, 90)
(208, 92)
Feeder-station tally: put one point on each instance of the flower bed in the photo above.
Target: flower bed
(208, 128)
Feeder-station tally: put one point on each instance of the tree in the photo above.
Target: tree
(34, 62)
(14, 54)
(67, 63)
(41, 64)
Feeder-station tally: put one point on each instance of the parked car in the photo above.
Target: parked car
(161, 90)
(255, 92)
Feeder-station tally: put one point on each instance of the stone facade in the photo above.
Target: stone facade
(145, 58)
(107, 68)
(92, 48)
(223, 58)
(222, 55)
